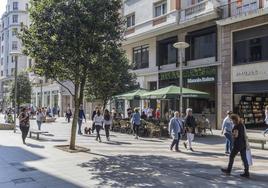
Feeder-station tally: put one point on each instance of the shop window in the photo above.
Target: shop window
(141, 57)
(130, 20)
(167, 54)
(152, 86)
(160, 9)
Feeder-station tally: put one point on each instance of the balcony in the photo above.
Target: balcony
(245, 9)
(205, 10)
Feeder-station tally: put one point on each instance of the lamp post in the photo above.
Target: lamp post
(181, 46)
(16, 54)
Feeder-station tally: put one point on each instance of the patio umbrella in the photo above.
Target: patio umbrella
(173, 92)
(136, 94)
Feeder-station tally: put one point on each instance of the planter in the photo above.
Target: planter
(6, 126)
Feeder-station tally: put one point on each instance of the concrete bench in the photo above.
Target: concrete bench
(7, 126)
(261, 141)
(50, 120)
(37, 132)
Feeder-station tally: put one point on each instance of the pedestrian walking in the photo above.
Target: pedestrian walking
(266, 120)
(136, 122)
(240, 146)
(98, 122)
(81, 116)
(92, 117)
(39, 118)
(24, 121)
(107, 123)
(175, 131)
(68, 114)
(58, 111)
(227, 127)
(190, 125)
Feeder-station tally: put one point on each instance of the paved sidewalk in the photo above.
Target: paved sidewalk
(122, 162)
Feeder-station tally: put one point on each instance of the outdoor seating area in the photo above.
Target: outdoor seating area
(147, 128)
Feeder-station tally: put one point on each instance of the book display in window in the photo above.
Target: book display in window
(251, 109)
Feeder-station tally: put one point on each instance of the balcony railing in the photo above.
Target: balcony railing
(242, 7)
(199, 9)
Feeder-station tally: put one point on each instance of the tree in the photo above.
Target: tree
(24, 89)
(113, 76)
(66, 36)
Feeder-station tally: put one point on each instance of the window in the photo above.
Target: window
(141, 57)
(2, 60)
(30, 63)
(2, 73)
(160, 9)
(250, 45)
(12, 71)
(3, 36)
(131, 20)
(15, 18)
(15, 6)
(14, 31)
(2, 49)
(7, 72)
(14, 45)
(203, 46)
(26, 6)
(167, 54)
(14, 59)
(152, 86)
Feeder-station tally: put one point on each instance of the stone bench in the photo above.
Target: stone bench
(261, 141)
(50, 120)
(37, 132)
(6, 126)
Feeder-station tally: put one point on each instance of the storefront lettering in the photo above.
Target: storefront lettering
(199, 80)
(251, 73)
(208, 72)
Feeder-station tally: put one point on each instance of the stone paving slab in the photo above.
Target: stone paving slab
(123, 162)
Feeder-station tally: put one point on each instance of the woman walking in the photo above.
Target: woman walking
(175, 130)
(39, 118)
(98, 121)
(266, 120)
(136, 122)
(107, 123)
(190, 125)
(24, 121)
(227, 127)
(240, 146)
(68, 114)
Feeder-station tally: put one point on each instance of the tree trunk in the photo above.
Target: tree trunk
(79, 96)
(75, 117)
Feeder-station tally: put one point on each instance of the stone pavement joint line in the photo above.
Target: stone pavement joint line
(121, 162)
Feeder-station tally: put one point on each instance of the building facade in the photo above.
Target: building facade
(15, 16)
(243, 51)
(152, 29)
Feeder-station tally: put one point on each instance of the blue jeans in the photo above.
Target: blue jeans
(79, 126)
(229, 142)
(175, 142)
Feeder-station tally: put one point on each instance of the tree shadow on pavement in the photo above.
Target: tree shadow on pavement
(35, 146)
(117, 143)
(210, 139)
(160, 171)
(14, 171)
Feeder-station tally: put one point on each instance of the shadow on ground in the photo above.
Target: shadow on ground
(15, 173)
(163, 172)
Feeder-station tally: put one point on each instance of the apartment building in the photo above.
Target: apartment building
(15, 16)
(243, 32)
(153, 26)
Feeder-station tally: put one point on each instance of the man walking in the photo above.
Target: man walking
(190, 125)
(175, 130)
(81, 116)
(227, 127)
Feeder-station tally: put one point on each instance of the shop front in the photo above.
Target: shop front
(250, 93)
(200, 79)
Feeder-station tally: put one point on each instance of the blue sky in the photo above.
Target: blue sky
(2, 6)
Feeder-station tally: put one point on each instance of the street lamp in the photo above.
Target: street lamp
(16, 54)
(181, 46)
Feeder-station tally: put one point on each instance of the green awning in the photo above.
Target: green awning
(136, 94)
(173, 92)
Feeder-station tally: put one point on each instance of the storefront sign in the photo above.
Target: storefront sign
(207, 74)
(250, 72)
